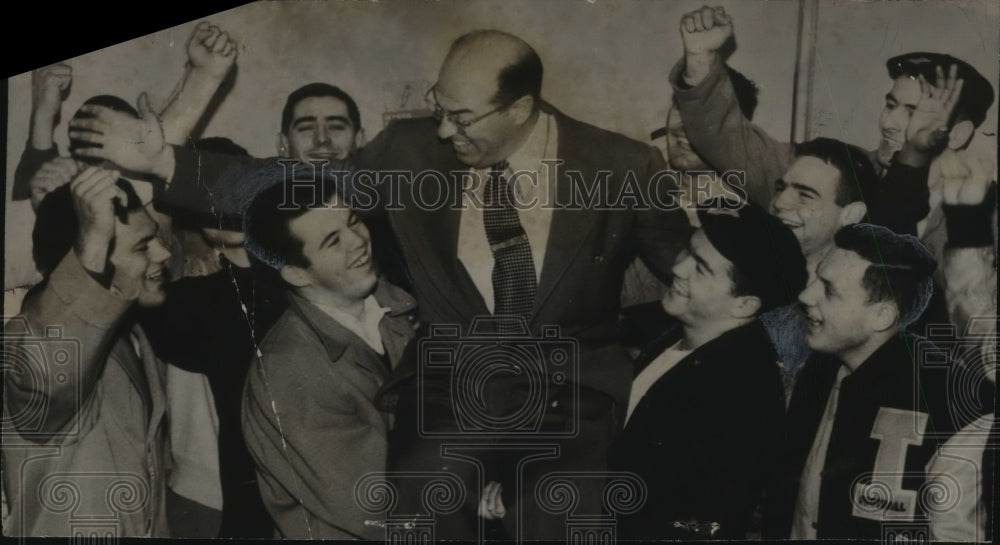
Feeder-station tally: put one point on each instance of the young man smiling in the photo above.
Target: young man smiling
(706, 406)
(870, 406)
(308, 415)
(103, 413)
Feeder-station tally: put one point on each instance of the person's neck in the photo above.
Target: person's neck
(855, 356)
(697, 335)
(325, 298)
(520, 138)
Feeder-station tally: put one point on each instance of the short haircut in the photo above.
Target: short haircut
(745, 90)
(56, 226)
(977, 93)
(857, 174)
(287, 192)
(319, 90)
(900, 269)
(522, 77)
(117, 104)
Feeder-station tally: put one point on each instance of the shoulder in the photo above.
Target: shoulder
(600, 144)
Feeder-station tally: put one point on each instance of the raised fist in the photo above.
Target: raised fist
(48, 86)
(93, 191)
(705, 30)
(211, 50)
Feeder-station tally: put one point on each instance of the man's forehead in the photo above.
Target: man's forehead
(140, 225)
(814, 173)
(842, 267)
(319, 106)
(905, 89)
(317, 222)
(464, 84)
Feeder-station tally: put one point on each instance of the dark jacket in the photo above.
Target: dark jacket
(703, 436)
(892, 413)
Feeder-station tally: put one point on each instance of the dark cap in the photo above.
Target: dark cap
(762, 249)
(977, 93)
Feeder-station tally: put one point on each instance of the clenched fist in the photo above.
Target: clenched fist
(705, 30)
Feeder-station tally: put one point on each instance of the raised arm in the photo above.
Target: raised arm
(713, 121)
(211, 56)
(77, 298)
(49, 87)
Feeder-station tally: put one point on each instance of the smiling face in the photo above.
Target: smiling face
(338, 248)
(320, 130)
(702, 288)
(900, 102)
(680, 154)
(841, 319)
(465, 90)
(139, 259)
(805, 200)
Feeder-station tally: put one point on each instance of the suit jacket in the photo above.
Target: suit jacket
(703, 436)
(588, 250)
(104, 470)
(309, 420)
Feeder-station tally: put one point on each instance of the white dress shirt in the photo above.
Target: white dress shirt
(367, 327)
(533, 189)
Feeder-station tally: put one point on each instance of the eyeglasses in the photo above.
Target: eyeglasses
(461, 124)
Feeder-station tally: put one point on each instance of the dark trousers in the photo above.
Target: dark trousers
(562, 461)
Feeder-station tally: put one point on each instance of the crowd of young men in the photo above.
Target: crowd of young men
(355, 340)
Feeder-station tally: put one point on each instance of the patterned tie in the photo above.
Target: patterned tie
(514, 281)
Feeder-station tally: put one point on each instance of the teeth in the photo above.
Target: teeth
(363, 261)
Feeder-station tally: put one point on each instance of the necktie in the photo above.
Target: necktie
(514, 281)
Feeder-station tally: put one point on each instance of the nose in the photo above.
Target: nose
(781, 201)
(446, 129)
(807, 297)
(895, 120)
(321, 135)
(159, 253)
(682, 264)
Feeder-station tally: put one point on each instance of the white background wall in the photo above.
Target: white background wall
(606, 62)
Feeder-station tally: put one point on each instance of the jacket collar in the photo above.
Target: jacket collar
(334, 336)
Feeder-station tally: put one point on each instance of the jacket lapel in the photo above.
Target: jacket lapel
(570, 226)
(133, 367)
(434, 235)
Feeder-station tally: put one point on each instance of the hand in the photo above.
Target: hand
(211, 50)
(927, 131)
(491, 505)
(131, 143)
(47, 87)
(93, 190)
(964, 177)
(51, 175)
(706, 30)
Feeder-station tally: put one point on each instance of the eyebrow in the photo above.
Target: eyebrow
(143, 240)
(701, 261)
(452, 112)
(312, 118)
(327, 238)
(889, 96)
(804, 188)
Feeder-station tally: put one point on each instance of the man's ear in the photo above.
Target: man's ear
(746, 306)
(853, 213)
(359, 139)
(960, 134)
(282, 145)
(520, 110)
(886, 316)
(296, 276)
